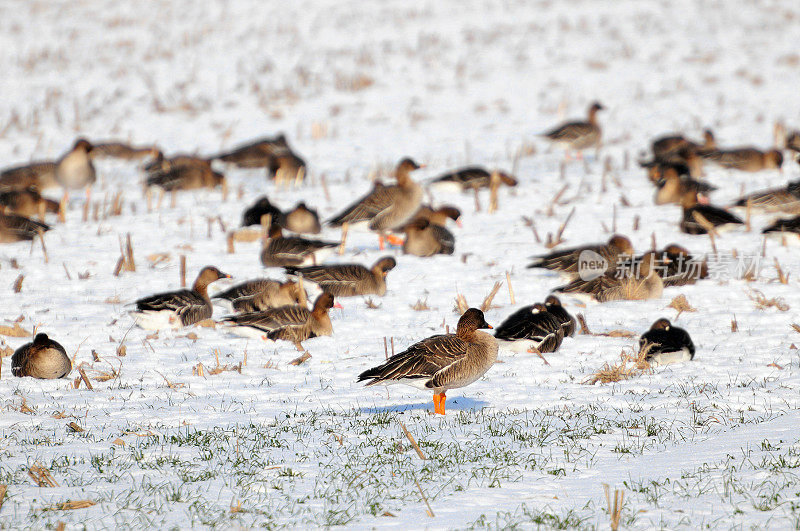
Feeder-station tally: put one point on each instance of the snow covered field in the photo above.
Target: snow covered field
(356, 87)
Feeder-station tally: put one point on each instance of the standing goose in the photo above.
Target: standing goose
(530, 329)
(578, 135)
(386, 208)
(441, 362)
(746, 159)
(301, 219)
(262, 207)
(186, 177)
(176, 309)
(567, 260)
(695, 215)
(43, 358)
(75, 170)
(14, 228)
(568, 324)
(639, 282)
(348, 280)
(289, 323)
(472, 178)
(666, 344)
(786, 199)
(293, 250)
(28, 203)
(262, 294)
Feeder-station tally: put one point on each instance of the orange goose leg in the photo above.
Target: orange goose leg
(381, 245)
(438, 403)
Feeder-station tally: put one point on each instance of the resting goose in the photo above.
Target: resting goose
(696, 214)
(568, 324)
(262, 207)
(441, 362)
(289, 323)
(186, 177)
(300, 219)
(43, 358)
(176, 309)
(386, 208)
(257, 154)
(293, 250)
(666, 344)
(675, 148)
(530, 329)
(671, 188)
(568, 260)
(640, 282)
(27, 203)
(746, 159)
(14, 228)
(262, 294)
(578, 135)
(679, 267)
(119, 150)
(348, 280)
(472, 178)
(786, 199)
(424, 239)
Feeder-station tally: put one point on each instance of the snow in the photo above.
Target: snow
(448, 84)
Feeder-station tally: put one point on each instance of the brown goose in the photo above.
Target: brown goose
(442, 362)
(672, 187)
(789, 226)
(746, 159)
(425, 239)
(186, 177)
(286, 166)
(260, 153)
(568, 260)
(262, 294)
(165, 164)
(176, 309)
(678, 267)
(14, 228)
(786, 199)
(675, 148)
(74, 169)
(289, 323)
(695, 215)
(793, 141)
(666, 344)
(119, 150)
(621, 283)
(568, 324)
(27, 203)
(578, 135)
(348, 280)
(300, 219)
(472, 178)
(293, 250)
(262, 207)
(39, 175)
(530, 329)
(43, 358)
(386, 208)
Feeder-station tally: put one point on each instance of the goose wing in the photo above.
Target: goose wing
(421, 360)
(271, 319)
(378, 199)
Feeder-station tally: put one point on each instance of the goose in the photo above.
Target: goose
(262, 207)
(186, 177)
(386, 208)
(348, 280)
(442, 362)
(784, 226)
(529, 329)
(262, 294)
(675, 148)
(640, 282)
(38, 175)
(119, 150)
(176, 309)
(28, 203)
(289, 323)
(696, 215)
(785, 199)
(75, 169)
(666, 344)
(260, 153)
(679, 267)
(578, 135)
(43, 358)
(567, 321)
(161, 164)
(424, 239)
(671, 188)
(568, 261)
(747, 159)
(301, 219)
(14, 228)
(293, 250)
(472, 178)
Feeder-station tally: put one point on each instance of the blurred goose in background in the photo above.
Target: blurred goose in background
(14, 228)
(746, 159)
(529, 329)
(386, 208)
(567, 260)
(43, 358)
(784, 226)
(622, 283)
(442, 362)
(120, 150)
(472, 178)
(567, 321)
(28, 203)
(257, 154)
(262, 294)
(262, 207)
(785, 199)
(293, 250)
(289, 323)
(162, 164)
(38, 175)
(74, 170)
(423, 239)
(176, 309)
(677, 266)
(786, 139)
(675, 148)
(578, 135)
(666, 344)
(301, 219)
(672, 187)
(186, 177)
(348, 280)
(695, 214)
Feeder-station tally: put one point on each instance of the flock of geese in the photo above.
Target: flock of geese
(274, 310)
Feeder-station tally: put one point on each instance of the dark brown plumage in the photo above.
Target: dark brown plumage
(262, 294)
(292, 250)
(14, 228)
(473, 178)
(567, 260)
(531, 328)
(348, 280)
(28, 203)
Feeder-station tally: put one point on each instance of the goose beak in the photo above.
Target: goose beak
(337, 305)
